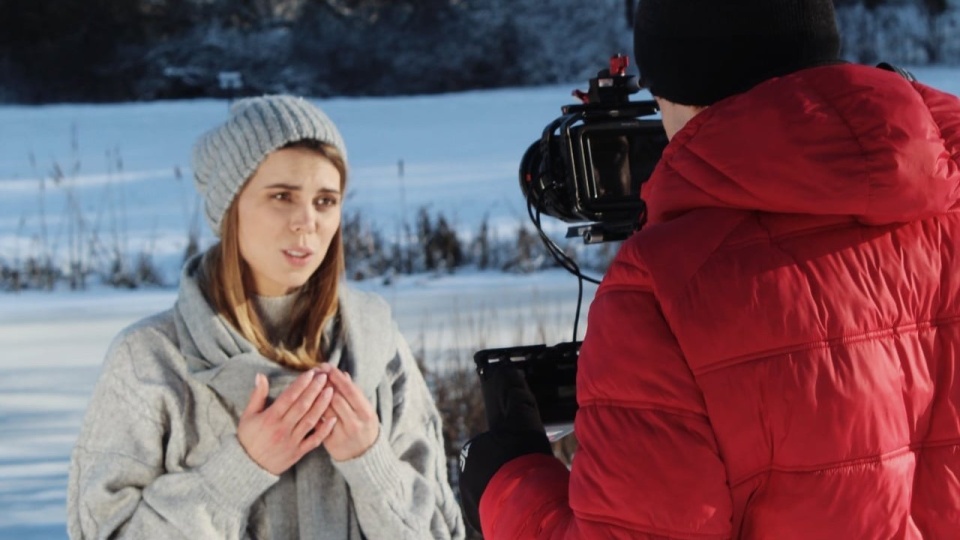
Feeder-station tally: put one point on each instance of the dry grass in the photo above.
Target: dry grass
(451, 374)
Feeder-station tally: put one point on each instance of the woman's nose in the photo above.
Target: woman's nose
(303, 219)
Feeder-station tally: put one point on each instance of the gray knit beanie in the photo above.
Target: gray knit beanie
(225, 157)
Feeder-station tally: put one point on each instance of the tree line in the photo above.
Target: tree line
(120, 50)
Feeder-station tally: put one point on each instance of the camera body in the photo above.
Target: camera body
(590, 162)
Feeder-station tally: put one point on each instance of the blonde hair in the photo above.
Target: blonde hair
(229, 286)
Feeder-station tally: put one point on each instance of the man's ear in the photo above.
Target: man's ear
(675, 115)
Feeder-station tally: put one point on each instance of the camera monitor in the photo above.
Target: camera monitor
(551, 375)
(613, 159)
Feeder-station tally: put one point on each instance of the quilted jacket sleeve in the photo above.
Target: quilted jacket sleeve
(648, 464)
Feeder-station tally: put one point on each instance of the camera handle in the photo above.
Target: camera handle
(611, 85)
(596, 233)
(632, 109)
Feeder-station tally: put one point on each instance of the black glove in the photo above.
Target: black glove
(515, 430)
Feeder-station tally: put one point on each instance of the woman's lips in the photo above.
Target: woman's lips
(297, 257)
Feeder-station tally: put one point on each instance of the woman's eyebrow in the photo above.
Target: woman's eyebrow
(289, 187)
(293, 187)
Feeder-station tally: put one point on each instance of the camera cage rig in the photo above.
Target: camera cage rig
(560, 176)
(557, 179)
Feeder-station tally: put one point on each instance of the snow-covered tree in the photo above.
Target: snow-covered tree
(94, 50)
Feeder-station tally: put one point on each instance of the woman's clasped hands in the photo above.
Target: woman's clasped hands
(322, 406)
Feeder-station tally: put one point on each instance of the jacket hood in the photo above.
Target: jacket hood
(844, 140)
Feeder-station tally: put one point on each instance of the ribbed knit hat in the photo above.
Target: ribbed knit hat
(225, 157)
(697, 52)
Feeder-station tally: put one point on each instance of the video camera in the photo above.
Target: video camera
(587, 167)
(590, 162)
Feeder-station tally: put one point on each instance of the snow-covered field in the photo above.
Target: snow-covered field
(127, 168)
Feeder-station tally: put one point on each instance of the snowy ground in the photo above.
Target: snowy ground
(127, 168)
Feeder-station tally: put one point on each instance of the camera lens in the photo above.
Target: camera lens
(541, 181)
(530, 166)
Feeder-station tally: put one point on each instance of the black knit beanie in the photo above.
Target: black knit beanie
(697, 52)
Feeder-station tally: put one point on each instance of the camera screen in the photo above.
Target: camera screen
(620, 157)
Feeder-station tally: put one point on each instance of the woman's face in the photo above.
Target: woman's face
(288, 212)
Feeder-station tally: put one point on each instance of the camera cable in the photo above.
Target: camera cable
(564, 261)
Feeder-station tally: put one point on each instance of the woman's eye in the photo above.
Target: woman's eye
(282, 196)
(326, 201)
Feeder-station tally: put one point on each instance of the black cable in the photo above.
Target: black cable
(576, 315)
(564, 261)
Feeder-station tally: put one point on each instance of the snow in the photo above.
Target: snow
(121, 163)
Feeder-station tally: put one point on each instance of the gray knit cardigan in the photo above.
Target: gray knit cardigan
(158, 455)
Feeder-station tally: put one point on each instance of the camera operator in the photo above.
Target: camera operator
(776, 354)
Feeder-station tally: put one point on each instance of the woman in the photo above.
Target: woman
(271, 401)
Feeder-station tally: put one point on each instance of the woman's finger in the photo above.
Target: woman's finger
(320, 434)
(314, 414)
(304, 401)
(289, 396)
(258, 398)
(351, 392)
(344, 410)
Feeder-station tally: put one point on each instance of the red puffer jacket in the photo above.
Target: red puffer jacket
(777, 354)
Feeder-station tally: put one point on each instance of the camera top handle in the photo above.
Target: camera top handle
(611, 86)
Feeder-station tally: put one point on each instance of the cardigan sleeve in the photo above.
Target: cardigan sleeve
(118, 484)
(399, 486)
(648, 465)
